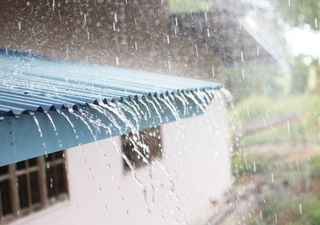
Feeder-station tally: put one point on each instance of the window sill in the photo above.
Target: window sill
(51, 208)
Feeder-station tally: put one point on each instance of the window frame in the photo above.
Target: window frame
(140, 165)
(45, 201)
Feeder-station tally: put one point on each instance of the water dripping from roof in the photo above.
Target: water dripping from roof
(137, 144)
(138, 109)
(40, 132)
(109, 116)
(132, 169)
(38, 125)
(194, 100)
(184, 104)
(141, 101)
(170, 106)
(114, 109)
(71, 124)
(155, 108)
(82, 119)
(52, 123)
(131, 110)
(158, 164)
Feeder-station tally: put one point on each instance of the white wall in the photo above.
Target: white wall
(196, 161)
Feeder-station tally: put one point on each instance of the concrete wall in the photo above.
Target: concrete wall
(132, 34)
(195, 168)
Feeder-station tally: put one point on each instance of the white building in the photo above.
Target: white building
(47, 105)
(187, 165)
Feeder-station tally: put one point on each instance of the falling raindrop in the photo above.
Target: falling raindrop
(114, 27)
(88, 33)
(176, 21)
(213, 71)
(196, 50)
(115, 18)
(243, 74)
(288, 127)
(168, 39)
(169, 65)
(117, 60)
(300, 209)
(136, 46)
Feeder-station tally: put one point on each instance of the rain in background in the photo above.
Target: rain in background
(266, 53)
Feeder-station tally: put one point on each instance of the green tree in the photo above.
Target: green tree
(299, 12)
(299, 76)
(177, 6)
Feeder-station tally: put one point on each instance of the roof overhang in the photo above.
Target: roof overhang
(47, 105)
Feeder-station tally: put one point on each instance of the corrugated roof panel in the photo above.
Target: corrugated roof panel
(49, 104)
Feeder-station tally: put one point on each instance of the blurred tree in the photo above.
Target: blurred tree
(188, 5)
(314, 76)
(299, 75)
(252, 79)
(299, 12)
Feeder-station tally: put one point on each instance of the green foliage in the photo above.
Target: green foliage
(253, 107)
(188, 5)
(309, 213)
(245, 165)
(273, 206)
(290, 210)
(299, 76)
(315, 166)
(312, 111)
(260, 79)
(280, 134)
(299, 12)
(259, 107)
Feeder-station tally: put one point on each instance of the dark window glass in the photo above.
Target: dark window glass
(50, 182)
(49, 157)
(4, 170)
(55, 155)
(56, 180)
(35, 189)
(142, 147)
(61, 179)
(21, 165)
(58, 155)
(33, 162)
(23, 191)
(29, 187)
(5, 197)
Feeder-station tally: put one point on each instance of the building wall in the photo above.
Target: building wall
(194, 170)
(137, 34)
(131, 34)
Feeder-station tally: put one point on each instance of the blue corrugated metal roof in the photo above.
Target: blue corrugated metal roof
(29, 83)
(43, 102)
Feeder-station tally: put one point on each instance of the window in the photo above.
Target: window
(141, 148)
(31, 185)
